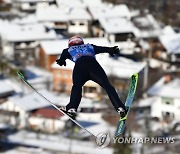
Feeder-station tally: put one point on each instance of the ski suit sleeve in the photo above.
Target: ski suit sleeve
(62, 60)
(111, 50)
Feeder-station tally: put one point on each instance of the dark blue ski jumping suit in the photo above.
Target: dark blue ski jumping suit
(87, 68)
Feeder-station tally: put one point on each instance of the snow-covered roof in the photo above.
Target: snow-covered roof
(32, 101)
(55, 47)
(146, 102)
(93, 2)
(168, 30)
(122, 67)
(97, 41)
(144, 44)
(171, 89)
(70, 3)
(29, 19)
(38, 76)
(34, 1)
(32, 32)
(147, 26)
(155, 63)
(89, 103)
(171, 42)
(108, 11)
(117, 25)
(78, 3)
(4, 126)
(153, 21)
(5, 87)
(52, 13)
(142, 21)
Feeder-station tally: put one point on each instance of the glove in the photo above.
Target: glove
(61, 62)
(114, 50)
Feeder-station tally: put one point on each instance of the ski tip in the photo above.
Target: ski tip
(20, 74)
(135, 75)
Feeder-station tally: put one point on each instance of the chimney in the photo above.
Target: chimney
(167, 78)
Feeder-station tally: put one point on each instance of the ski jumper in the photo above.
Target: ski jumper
(87, 68)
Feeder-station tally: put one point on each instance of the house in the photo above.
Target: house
(46, 120)
(5, 12)
(109, 11)
(62, 76)
(29, 6)
(103, 16)
(32, 111)
(119, 72)
(19, 42)
(93, 2)
(148, 26)
(167, 89)
(70, 4)
(163, 100)
(39, 78)
(114, 23)
(6, 88)
(25, 104)
(119, 31)
(79, 21)
(69, 19)
(170, 47)
(27, 20)
(49, 51)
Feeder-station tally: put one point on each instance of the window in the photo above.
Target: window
(66, 75)
(81, 24)
(89, 89)
(58, 74)
(123, 36)
(167, 101)
(166, 115)
(32, 4)
(72, 23)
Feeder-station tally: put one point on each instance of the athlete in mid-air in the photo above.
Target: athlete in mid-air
(87, 68)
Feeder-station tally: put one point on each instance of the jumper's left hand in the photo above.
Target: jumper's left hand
(114, 50)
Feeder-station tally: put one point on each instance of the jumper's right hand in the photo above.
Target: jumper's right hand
(61, 62)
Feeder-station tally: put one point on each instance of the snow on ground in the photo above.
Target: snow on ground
(58, 143)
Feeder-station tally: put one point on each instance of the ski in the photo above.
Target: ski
(129, 100)
(21, 76)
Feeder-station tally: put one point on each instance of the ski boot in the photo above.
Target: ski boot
(71, 112)
(122, 112)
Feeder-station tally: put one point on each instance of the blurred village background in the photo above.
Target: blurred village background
(33, 34)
